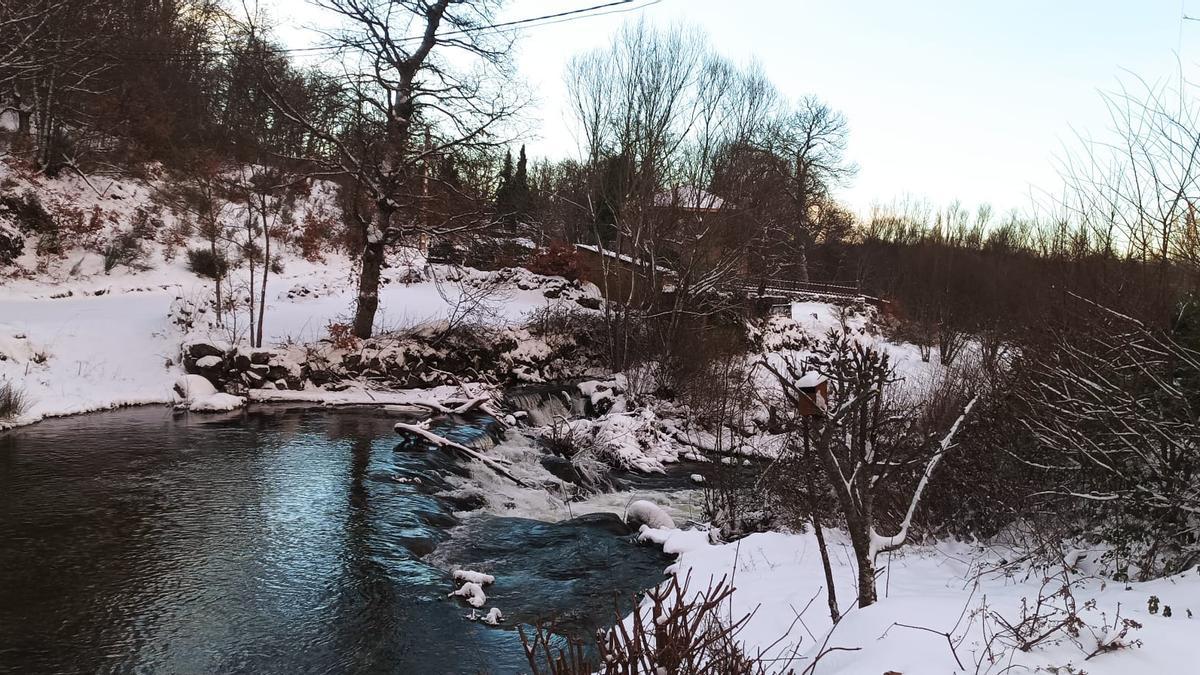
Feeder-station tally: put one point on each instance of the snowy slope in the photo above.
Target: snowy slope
(78, 339)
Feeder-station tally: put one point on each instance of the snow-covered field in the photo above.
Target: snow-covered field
(953, 589)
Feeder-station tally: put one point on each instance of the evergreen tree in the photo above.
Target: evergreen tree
(504, 202)
(519, 191)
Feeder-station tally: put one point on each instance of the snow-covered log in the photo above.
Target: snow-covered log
(421, 430)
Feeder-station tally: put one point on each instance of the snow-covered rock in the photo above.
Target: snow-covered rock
(493, 617)
(219, 402)
(192, 388)
(199, 395)
(474, 577)
(472, 593)
(647, 513)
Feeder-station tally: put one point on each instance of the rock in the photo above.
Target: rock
(260, 358)
(241, 362)
(320, 377)
(601, 406)
(588, 302)
(199, 350)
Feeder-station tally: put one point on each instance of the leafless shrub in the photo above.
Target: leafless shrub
(1111, 405)
(891, 444)
(125, 249)
(671, 631)
(950, 343)
(13, 401)
(1053, 617)
(560, 320)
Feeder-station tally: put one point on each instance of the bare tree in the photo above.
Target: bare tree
(655, 111)
(403, 106)
(1132, 195)
(869, 438)
(810, 138)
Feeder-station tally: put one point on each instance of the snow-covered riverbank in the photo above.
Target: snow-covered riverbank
(86, 345)
(943, 609)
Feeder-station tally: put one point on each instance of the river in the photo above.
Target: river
(275, 541)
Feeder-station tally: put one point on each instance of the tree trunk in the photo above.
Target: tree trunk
(262, 303)
(217, 275)
(368, 279)
(860, 539)
(813, 507)
(831, 595)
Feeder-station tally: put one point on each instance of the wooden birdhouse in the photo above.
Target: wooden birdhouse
(814, 391)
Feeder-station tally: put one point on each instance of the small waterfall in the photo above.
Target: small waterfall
(543, 403)
(477, 431)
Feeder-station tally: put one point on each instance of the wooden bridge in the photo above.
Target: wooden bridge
(785, 288)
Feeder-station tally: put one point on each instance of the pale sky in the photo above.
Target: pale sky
(966, 100)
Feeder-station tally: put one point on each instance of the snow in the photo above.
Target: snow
(208, 362)
(954, 588)
(194, 388)
(218, 403)
(620, 256)
(648, 514)
(493, 617)
(474, 577)
(88, 353)
(689, 197)
(472, 593)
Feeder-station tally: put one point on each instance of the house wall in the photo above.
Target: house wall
(615, 277)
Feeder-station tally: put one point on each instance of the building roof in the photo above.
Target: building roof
(620, 256)
(690, 198)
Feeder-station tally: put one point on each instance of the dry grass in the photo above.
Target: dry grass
(13, 401)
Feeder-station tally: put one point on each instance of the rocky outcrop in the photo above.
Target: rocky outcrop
(418, 360)
(234, 371)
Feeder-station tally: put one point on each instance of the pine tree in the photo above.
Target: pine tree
(504, 201)
(519, 191)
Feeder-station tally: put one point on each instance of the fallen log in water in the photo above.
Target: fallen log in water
(421, 430)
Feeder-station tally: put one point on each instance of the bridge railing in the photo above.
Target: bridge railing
(787, 286)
